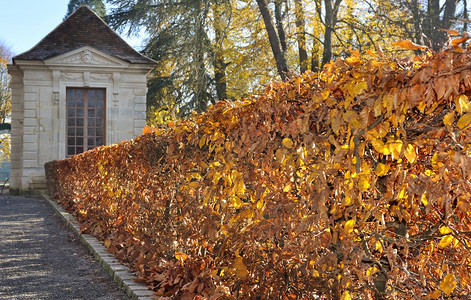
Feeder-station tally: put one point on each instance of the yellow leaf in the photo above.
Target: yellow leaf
(352, 60)
(445, 241)
(448, 284)
(240, 268)
(406, 44)
(379, 146)
(288, 143)
(349, 227)
(202, 142)
(372, 270)
(364, 183)
(464, 121)
(424, 199)
(462, 104)
(240, 188)
(445, 230)
(347, 201)
(381, 169)
(287, 188)
(395, 148)
(449, 118)
(280, 155)
(181, 256)
(434, 294)
(411, 153)
(346, 296)
(359, 88)
(107, 243)
(236, 202)
(379, 247)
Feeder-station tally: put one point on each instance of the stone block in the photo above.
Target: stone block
(30, 138)
(140, 99)
(29, 113)
(30, 97)
(30, 147)
(140, 92)
(30, 163)
(140, 107)
(30, 155)
(139, 115)
(30, 122)
(30, 105)
(139, 124)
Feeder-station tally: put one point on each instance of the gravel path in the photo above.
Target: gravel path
(41, 259)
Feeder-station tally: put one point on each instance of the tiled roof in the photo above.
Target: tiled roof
(83, 28)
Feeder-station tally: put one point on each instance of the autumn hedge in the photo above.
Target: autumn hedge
(351, 183)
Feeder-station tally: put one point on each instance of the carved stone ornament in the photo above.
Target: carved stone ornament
(71, 76)
(84, 57)
(101, 77)
(55, 98)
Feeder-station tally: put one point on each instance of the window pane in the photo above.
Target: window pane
(99, 131)
(71, 131)
(91, 103)
(71, 112)
(91, 131)
(91, 113)
(79, 102)
(80, 131)
(99, 122)
(99, 141)
(71, 141)
(71, 122)
(91, 121)
(80, 112)
(80, 122)
(91, 94)
(100, 94)
(91, 141)
(70, 151)
(99, 103)
(79, 150)
(79, 94)
(79, 141)
(99, 113)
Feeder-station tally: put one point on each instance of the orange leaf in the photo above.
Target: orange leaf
(459, 41)
(146, 130)
(450, 32)
(406, 44)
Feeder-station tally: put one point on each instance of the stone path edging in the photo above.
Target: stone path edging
(119, 273)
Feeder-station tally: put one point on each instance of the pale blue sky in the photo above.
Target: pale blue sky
(23, 23)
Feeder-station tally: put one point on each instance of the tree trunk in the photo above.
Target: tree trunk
(280, 59)
(218, 63)
(301, 36)
(434, 23)
(199, 68)
(330, 20)
(328, 31)
(279, 25)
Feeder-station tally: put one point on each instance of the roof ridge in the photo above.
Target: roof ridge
(72, 34)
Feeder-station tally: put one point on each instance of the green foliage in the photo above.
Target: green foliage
(351, 183)
(96, 5)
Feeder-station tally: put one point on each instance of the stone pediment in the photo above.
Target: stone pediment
(85, 56)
